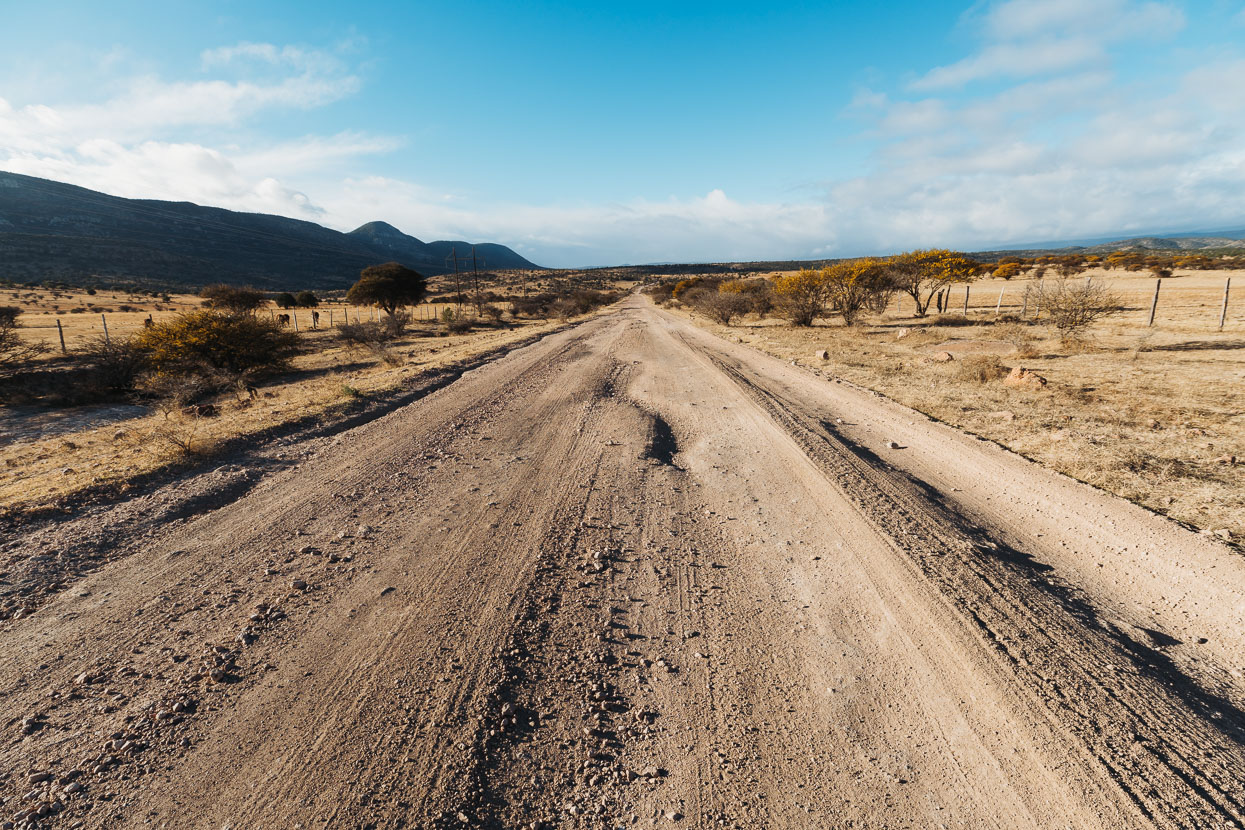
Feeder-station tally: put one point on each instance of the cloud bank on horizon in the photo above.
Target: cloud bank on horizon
(1043, 127)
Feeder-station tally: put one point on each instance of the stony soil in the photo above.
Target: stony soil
(630, 575)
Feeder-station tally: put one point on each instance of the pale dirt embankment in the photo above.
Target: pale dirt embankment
(630, 575)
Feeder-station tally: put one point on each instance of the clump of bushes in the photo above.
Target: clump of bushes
(14, 350)
(209, 350)
(720, 306)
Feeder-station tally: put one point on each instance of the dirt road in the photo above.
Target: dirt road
(631, 575)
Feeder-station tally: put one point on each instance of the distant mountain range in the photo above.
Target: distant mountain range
(50, 231)
(1190, 241)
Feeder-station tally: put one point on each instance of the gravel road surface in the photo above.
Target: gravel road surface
(632, 575)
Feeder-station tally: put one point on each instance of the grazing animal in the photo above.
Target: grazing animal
(315, 319)
(283, 319)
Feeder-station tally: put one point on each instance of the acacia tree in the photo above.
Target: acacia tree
(1006, 270)
(922, 274)
(234, 299)
(802, 297)
(851, 285)
(389, 286)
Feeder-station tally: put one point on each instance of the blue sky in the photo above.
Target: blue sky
(586, 134)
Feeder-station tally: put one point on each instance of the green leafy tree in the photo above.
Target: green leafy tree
(306, 299)
(285, 300)
(389, 286)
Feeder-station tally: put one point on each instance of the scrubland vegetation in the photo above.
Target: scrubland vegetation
(1151, 413)
(177, 376)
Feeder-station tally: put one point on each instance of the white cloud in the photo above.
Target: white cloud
(711, 227)
(1029, 38)
(1058, 148)
(141, 142)
(1110, 19)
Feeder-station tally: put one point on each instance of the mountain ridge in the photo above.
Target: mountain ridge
(54, 231)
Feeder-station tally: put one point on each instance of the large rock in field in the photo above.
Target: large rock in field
(1022, 378)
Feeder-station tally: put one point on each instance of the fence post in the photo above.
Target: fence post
(966, 300)
(1154, 304)
(61, 332)
(104, 318)
(1223, 314)
(330, 318)
(999, 304)
(295, 315)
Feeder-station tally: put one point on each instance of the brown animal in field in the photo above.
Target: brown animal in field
(315, 319)
(148, 323)
(283, 319)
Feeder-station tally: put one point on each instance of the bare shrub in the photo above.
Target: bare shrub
(395, 324)
(1074, 305)
(115, 364)
(14, 351)
(1019, 335)
(365, 335)
(662, 292)
(721, 306)
(372, 337)
(759, 293)
(980, 368)
(536, 306)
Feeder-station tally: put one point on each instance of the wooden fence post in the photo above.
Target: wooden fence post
(966, 300)
(330, 318)
(295, 315)
(999, 304)
(1154, 304)
(61, 332)
(104, 318)
(1223, 314)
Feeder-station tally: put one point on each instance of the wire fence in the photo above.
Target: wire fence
(78, 330)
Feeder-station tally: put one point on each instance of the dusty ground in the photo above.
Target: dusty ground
(49, 454)
(631, 575)
(1147, 413)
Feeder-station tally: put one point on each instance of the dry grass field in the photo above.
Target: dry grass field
(46, 454)
(1152, 414)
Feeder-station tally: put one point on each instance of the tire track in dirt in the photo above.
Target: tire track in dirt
(617, 578)
(1148, 726)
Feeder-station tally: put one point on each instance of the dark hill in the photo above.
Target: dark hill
(50, 231)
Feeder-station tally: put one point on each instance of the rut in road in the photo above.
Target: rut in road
(629, 574)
